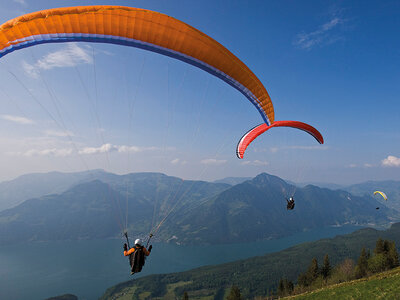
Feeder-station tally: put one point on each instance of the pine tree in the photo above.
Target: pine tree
(289, 286)
(393, 256)
(281, 288)
(326, 268)
(386, 246)
(234, 294)
(303, 280)
(313, 270)
(307, 278)
(362, 264)
(285, 287)
(379, 247)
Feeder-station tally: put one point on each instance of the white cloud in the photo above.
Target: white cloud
(56, 133)
(391, 161)
(178, 161)
(17, 119)
(22, 2)
(102, 149)
(213, 161)
(70, 56)
(332, 23)
(135, 149)
(321, 36)
(365, 165)
(274, 149)
(48, 146)
(115, 148)
(30, 70)
(125, 149)
(255, 163)
(45, 152)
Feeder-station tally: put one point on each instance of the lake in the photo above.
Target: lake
(87, 268)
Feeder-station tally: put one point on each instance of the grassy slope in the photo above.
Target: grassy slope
(384, 285)
(256, 276)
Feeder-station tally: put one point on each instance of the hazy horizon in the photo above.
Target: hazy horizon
(211, 180)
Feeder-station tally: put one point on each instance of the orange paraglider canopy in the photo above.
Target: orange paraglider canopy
(139, 28)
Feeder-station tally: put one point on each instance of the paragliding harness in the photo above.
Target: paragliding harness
(290, 203)
(137, 258)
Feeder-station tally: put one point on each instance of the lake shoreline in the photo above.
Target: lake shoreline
(86, 268)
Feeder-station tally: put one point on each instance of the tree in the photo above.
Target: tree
(285, 287)
(307, 278)
(234, 294)
(385, 256)
(313, 270)
(386, 245)
(302, 280)
(326, 268)
(393, 256)
(344, 271)
(379, 247)
(185, 296)
(362, 264)
(377, 263)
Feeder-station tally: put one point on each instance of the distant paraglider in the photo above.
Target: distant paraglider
(290, 203)
(382, 194)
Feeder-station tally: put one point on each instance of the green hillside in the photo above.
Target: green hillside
(257, 276)
(384, 285)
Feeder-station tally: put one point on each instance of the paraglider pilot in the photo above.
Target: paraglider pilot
(290, 203)
(137, 255)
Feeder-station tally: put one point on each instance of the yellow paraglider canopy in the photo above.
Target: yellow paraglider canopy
(382, 194)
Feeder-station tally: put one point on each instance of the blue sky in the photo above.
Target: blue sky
(332, 64)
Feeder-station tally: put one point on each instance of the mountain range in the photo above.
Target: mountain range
(16, 191)
(102, 205)
(256, 210)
